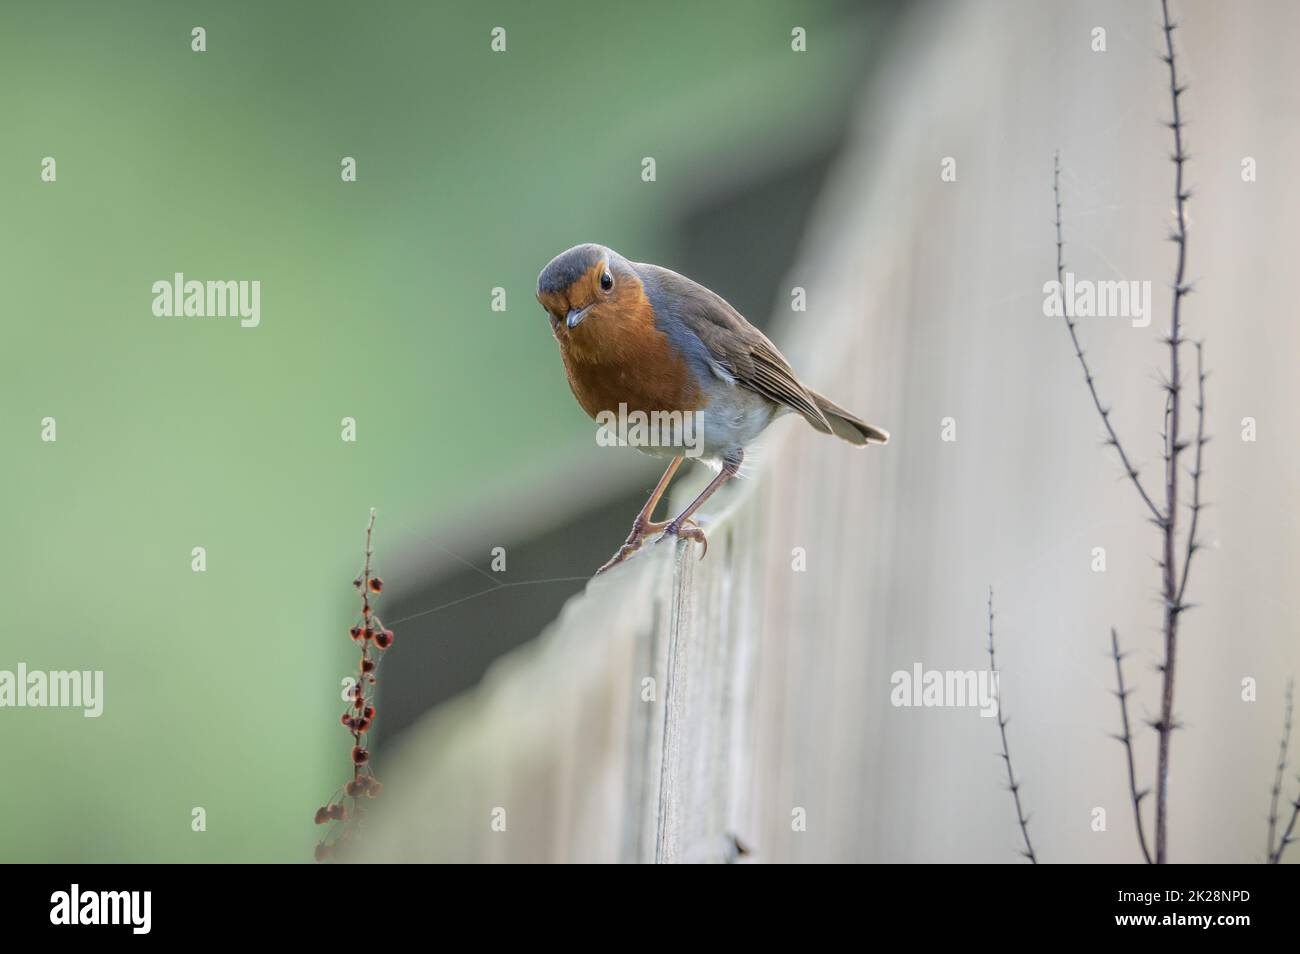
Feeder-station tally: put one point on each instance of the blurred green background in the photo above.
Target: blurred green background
(474, 169)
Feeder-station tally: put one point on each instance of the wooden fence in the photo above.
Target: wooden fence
(767, 720)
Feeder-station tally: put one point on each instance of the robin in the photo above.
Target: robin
(635, 337)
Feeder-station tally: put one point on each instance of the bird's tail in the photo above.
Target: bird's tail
(844, 425)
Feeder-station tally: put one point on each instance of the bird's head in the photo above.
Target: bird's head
(587, 284)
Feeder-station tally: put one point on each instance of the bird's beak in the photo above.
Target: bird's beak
(575, 316)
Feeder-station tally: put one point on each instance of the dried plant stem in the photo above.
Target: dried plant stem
(366, 613)
(1111, 437)
(1173, 581)
(1127, 738)
(1287, 836)
(360, 713)
(1173, 605)
(1276, 848)
(1193, 540)
(1006, 751)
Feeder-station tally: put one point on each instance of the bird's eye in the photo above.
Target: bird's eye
(606, 280)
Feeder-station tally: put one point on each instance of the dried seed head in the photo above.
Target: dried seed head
(355, 632)
(322, 815)
(376, 584)
(359, 755)
(384, 638)
(354, 788)
(367, 665)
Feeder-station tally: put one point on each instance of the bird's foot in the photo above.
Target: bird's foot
(640, 530)
(689, 530)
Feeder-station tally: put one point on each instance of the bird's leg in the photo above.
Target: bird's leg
(683, 526)
(643, 526)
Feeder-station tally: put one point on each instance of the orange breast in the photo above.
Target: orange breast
(617, 356)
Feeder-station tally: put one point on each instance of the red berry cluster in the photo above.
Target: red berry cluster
(359, 715)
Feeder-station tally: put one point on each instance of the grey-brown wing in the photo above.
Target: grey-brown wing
(738, 347)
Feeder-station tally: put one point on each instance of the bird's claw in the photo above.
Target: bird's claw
(691, 531)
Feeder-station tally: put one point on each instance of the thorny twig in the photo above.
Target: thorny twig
(1173, 581)
(1173, 604)
(1122, 695)
(1193, 541)
(1006, 751)
(1275, 848)
(1112, 438)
